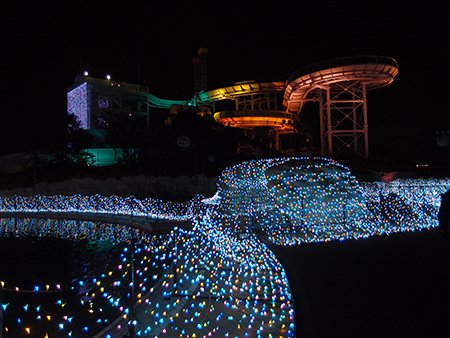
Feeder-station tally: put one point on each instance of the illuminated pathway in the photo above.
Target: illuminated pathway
(218, 279)
(237, 289)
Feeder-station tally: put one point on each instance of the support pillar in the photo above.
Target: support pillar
(366, 122)
(343, 119)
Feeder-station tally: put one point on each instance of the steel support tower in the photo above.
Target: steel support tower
(340, 87)
(200, 76)
(343, 119)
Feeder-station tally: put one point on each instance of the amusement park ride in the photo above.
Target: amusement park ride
(338, 85)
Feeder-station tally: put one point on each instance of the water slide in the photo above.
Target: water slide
(240, 89)
(373, 71)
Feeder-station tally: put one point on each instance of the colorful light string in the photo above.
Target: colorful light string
(219, 279)
(78, 104)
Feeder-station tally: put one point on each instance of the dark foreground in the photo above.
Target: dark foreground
(390, 286)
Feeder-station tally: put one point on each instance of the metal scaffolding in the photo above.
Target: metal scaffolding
(340, 87)
(343, 119)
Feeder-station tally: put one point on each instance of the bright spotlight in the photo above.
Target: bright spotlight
(108, 77)
(86, 73)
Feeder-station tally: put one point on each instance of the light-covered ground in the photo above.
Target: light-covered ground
(220, 279)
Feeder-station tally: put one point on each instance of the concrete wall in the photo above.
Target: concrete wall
(164, 187)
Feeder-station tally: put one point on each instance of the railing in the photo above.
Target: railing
(340, 62)
(110, 83)
(247, 113)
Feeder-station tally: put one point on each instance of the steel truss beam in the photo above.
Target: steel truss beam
(265, 101)
(343, 119)
(340, 87)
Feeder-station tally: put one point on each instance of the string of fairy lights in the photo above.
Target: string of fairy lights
(307, 200)
(97, 204)
(77, 104)
(219, 279)
(71, 229)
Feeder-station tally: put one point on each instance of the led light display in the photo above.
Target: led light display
(293, 199)
(78, 104)
(220, 279)
(103, 103)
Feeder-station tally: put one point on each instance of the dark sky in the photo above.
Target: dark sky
(44, 45)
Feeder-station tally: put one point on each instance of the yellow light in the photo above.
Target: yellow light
(28, 330)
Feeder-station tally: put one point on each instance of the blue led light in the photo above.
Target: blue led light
(229, 274)
(78, 104)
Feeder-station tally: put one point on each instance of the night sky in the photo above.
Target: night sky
(45, 45)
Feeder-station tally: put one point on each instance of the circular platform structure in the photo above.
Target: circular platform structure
(372, 71)
(251, 118)
(244, 88)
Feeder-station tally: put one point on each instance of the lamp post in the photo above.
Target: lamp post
(443, 140)
(210, 159)
(175, 261)
(131, 322)
(1, 310)
(184, 142)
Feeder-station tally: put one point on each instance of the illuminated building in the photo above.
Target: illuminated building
(97, 104)
(93, 101)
